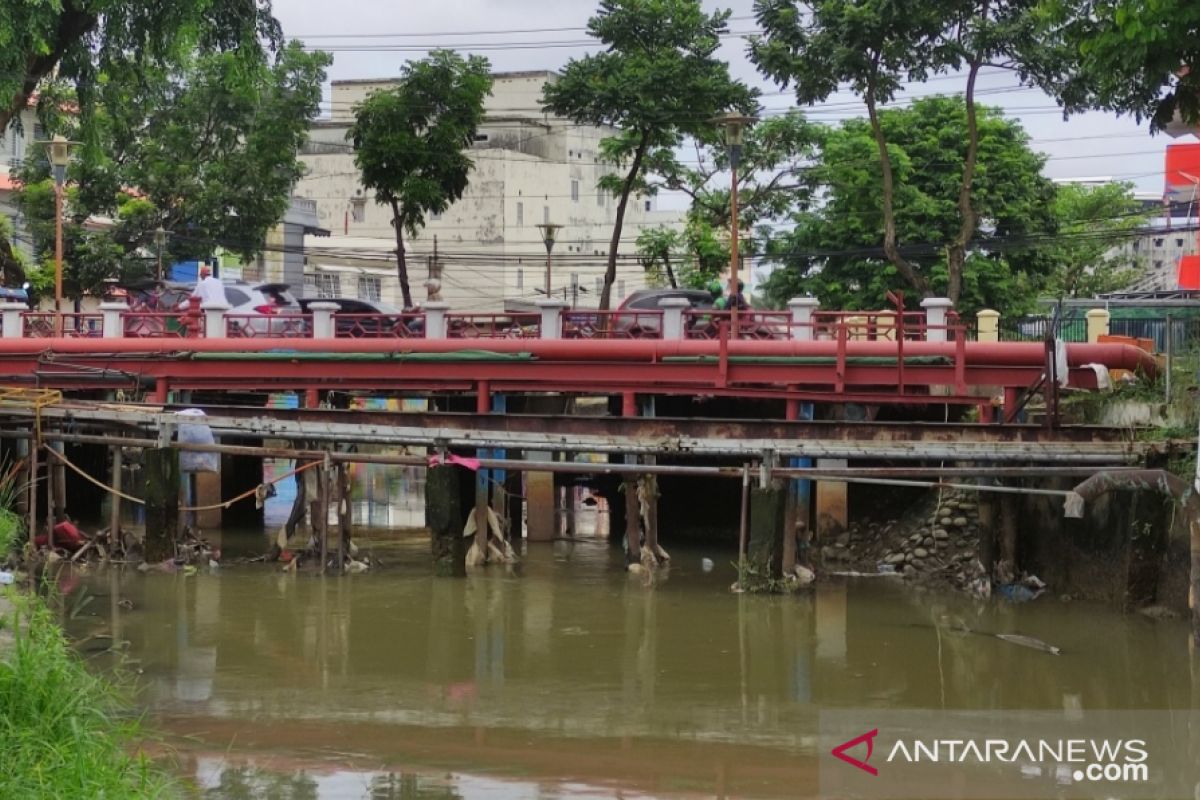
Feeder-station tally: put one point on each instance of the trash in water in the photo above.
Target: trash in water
(706, 564)
(5, 578)
(1028, 641)
(1024, 590)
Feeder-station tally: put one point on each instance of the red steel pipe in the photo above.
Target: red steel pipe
(1017, 354)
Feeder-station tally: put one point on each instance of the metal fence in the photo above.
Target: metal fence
(1033, 329)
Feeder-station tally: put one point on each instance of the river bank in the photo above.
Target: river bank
(64, 733)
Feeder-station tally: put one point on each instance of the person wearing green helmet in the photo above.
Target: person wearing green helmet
(718, 295)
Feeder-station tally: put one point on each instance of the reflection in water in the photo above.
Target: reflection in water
(564, 677)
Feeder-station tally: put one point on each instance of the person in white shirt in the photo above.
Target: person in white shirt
(209, 289)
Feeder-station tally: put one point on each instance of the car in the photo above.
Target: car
(161, 299)
(636, 325)
(269, 310)
(368, 319)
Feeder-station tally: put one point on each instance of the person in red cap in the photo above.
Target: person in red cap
(209, 289)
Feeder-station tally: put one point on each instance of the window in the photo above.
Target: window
(647, 205)
(599, 285)
(1158, 263)
(575, 191)
(520, 278)
(358, 209)
(370, 287)
(327, 285)
(520, 214)
(1158, 242)
(435, 216)
(481, 137)
(621, 288)
(600, 198)
(546, 215)
(1179, 242)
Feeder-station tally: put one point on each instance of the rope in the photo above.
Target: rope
(224, 504)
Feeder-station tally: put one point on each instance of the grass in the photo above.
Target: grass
(63, 731)
(12, 527)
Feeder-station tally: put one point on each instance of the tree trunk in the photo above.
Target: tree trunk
(73, 23)
(610, 274)
(956, 257)
(401, 262)
(670, 272)
(889, 198)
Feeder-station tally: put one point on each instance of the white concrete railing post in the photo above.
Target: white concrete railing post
(936, 309)
(551, 311)
(672, 324)
(13, 324)
(323, 326)
(435, 319)
(113, 325)
(802, 309)
(214, 319)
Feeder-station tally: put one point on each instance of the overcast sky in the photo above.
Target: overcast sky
(1090, 145)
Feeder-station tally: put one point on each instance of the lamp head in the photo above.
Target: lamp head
(549, 234)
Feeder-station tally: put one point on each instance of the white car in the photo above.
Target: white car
(270, 311)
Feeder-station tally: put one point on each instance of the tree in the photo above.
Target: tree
(834, 251)
(656, 81)
(873, 47)
(410, 141)
(1128, 56)
(820, 45)
(206, 150)
(87, 42)
(656, 249)
(1093, 224)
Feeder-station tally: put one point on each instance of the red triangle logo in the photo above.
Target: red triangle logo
(869, 738)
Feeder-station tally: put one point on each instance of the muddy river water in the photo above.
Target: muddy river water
(566, 678)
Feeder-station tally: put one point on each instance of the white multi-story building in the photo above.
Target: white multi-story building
(15, 143)
(530, 168)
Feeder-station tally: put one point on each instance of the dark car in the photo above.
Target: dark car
(368, 319)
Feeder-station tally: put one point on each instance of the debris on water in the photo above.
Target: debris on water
(1030, 587)
(1158, 612)
(6, 578)
(706, 565)
(883, 573)
(1028, 641)
(357, 566)
(803, 575)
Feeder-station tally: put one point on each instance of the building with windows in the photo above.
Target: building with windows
(15, 145)
(530, 168)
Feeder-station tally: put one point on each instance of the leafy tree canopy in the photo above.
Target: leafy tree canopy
(411, 142)
(1129, 56)
(1094, 225)
(206, 150)
(833, 250)
(657, 81)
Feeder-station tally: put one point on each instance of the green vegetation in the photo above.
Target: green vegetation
(656, 81)
(62, 731)
(12, 527)
(410, 141)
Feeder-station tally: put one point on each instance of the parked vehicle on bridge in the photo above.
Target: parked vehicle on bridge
(637, 326)
(270, 311)
(368, 319)
(262, 309)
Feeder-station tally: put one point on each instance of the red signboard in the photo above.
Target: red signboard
(1189, 272)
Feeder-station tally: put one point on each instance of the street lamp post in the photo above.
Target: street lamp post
(733, 125)
(549, 234)
(60, 156)
(160, 239)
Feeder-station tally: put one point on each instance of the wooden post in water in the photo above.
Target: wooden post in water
(114, 499)
(633, 518)
(161, 467)
(443, 517)
(345, 515)
(321, 522)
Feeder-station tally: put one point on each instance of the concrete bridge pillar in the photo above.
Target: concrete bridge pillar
(833, 510)
(765, 550)
(214, 319)
(322, 320)
(551, 323)
(435, 319)
(444, 518)
(161, 465)
(987, 325)
(10, 316)
(673, 326)
(802, 309)
(112, 327)
(936, 310)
